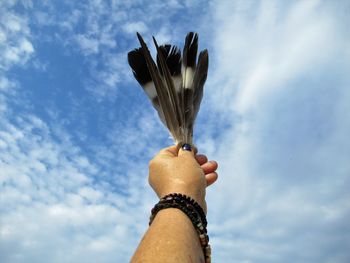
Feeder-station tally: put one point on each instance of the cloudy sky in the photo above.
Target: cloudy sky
(77, 132)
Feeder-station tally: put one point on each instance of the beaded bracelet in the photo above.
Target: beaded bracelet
(194, 212)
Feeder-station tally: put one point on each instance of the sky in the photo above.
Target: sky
(77, 132)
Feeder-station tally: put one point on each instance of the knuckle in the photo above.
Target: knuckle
(152, 164)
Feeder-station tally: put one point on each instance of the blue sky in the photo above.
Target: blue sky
(77, 132)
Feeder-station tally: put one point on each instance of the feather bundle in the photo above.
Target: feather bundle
(173, 83)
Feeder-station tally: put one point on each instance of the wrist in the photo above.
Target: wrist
(194, 212)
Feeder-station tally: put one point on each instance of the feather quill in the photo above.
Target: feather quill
(174, 84)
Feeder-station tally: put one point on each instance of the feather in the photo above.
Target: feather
(141, 73)
(188, 70)
(162, 91)
(199, 79)
(173, 84)
(172, 95)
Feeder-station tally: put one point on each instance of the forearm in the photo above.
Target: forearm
(170, 238)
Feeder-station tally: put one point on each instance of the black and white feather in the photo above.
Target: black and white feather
(174, 84)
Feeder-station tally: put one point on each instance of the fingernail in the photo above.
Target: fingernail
(186, 147)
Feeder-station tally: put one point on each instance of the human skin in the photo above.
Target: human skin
(171, 236)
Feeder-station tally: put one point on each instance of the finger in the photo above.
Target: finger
(195, 149)
(201, 158)
(209, 167)
(211, 178)
(170, 151)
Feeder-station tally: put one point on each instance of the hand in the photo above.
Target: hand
(174, 170)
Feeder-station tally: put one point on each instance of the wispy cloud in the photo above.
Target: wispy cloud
(51, 202)
(15, 44)
(133, 27)
(73, 164)
(102, 30)
(54, 197)
(283, 86)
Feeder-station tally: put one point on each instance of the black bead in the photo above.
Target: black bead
(186, 147)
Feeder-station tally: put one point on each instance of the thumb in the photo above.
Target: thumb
(186, 149)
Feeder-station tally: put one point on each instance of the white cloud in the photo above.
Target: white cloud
(133, 27)
(281, 46)
(15, 35)
(47, 184)
(88, 45)
(100, 29)
(280, 83)
(277, 84)
(50, 203)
